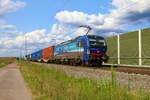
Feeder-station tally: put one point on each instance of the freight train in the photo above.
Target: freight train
(86, 49)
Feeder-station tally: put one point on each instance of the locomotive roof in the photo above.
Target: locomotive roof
(65, 42)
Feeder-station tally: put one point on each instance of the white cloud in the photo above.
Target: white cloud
(31, 37)
(134, 0)
(71, 17)
(79, 18)
(59, 33)
(125, 12)
(81, 31)
(35, 40)
(35, 36)
(5, 26)
(7, 6)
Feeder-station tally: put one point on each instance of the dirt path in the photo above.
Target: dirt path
(12, 85)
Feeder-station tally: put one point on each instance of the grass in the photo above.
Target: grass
(129, 47)
(52, 84)
(6, 61)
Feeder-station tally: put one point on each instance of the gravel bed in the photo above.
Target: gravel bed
(136, 81)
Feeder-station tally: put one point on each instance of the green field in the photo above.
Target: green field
(129, 47)
(6, 61)
(52, 84)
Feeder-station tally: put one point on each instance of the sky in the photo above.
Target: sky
(35, 24)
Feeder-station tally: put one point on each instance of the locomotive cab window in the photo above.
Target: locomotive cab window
(80, 44)
(96, 41)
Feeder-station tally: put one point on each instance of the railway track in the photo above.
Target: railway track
(134, 70)
(127, 69)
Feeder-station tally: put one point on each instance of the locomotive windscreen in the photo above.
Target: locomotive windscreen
(96, 41)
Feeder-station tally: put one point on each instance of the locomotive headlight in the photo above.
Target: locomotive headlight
(98, 51)
(88, 51)
(104, 43)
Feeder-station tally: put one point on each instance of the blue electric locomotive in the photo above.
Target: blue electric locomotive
(87, 49)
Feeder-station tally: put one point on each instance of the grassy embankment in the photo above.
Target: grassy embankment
(52, 84)
(6, 61)
(129, 47)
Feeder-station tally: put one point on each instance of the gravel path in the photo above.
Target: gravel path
(136, 81)
(12, 85)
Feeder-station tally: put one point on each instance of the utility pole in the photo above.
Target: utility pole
(118, 46)
(25, 46)
(20, 53)
(140, 48)
(88, 27)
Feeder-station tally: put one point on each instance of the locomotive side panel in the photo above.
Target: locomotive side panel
(69, 51)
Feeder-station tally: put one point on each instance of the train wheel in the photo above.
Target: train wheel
(100, 63)
(96, 63)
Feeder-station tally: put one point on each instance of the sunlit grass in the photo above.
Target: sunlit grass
(6, 61)
(52, 84)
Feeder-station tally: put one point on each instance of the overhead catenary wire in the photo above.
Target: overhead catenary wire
(88, 27)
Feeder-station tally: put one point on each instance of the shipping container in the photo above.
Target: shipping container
(36, 56)
(48, 54)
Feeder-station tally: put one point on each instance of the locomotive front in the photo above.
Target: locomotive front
(97, 49)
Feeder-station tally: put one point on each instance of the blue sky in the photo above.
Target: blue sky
(47, 22)
(40, 14)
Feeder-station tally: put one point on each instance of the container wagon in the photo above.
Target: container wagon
(48, 54)
(37, 56)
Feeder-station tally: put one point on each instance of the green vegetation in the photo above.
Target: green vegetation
(5, 61)
(146, 45)
(52, 84)
(129, 47)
